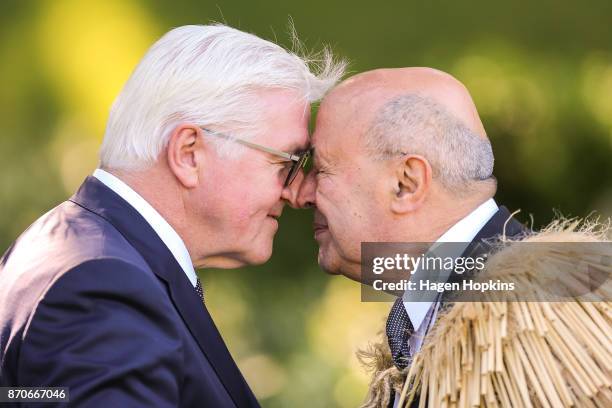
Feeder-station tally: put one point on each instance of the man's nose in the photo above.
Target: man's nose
(300, 191)
(307, 192)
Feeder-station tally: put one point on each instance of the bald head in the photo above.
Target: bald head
(364, 94)
(420, 111)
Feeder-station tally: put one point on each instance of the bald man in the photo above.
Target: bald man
(400, 155)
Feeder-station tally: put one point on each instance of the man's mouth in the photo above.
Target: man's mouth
(319, 228)
(319, 225)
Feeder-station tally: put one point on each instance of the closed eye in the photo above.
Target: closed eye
(284, 167)
(320, 172)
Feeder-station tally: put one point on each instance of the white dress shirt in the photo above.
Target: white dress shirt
(165, 232)
(423, 314)
(464, 232)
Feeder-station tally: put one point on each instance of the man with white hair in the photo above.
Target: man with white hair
(400, 155)
(203, 147)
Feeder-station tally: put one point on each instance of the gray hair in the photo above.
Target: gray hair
(415, 124)
(205, 74)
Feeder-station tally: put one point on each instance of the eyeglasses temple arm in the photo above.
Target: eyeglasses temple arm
(275, 152)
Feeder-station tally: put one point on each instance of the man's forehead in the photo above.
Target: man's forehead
(290, 141)
(300, 140)
(293, 137)
(296, 143)
(332, 147)
(284, 125)
(336, 135)
(319, 142)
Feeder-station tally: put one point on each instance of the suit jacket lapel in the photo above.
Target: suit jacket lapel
(202, 327)
(96, 197)
(501, 223)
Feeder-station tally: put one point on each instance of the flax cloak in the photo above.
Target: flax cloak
(514, 354)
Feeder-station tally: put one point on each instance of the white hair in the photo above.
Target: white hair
(206, 75)
(415, 124)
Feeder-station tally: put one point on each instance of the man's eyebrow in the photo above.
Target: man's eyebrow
(300, 148)
(294, 148)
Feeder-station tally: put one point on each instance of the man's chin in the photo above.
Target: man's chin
(327, 264)
(323, 264)
(259, 255)
(329, 271)
(335, 267)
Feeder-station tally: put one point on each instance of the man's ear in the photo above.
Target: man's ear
(412, 181)
(184, 154)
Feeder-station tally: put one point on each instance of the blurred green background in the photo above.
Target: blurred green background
(540, 73)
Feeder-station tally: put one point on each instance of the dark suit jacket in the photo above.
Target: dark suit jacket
(92, 299)
(501, 222)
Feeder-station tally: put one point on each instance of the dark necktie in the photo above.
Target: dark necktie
(399, 330)
(199, 289)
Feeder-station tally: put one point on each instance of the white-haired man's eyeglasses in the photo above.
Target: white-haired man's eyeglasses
(299, 159)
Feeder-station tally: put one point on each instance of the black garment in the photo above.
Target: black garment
(92, 299)
(499, 224)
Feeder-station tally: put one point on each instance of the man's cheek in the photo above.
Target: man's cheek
(336, 240)
(242, 215)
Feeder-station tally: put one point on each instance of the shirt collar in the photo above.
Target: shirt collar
(463, 231)
(164, 230)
